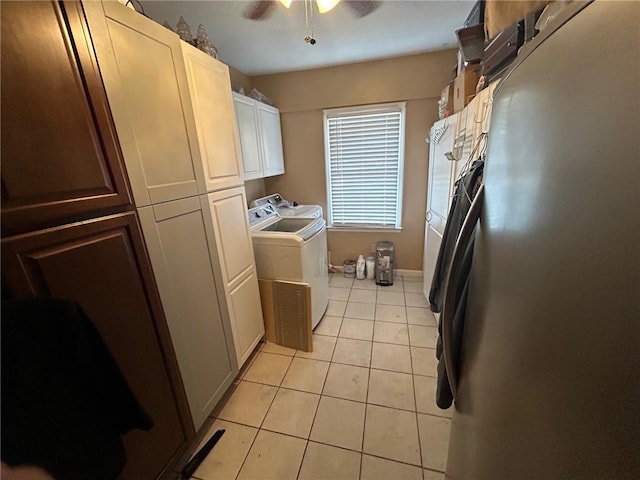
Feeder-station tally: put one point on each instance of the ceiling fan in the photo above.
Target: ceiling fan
(262, 9)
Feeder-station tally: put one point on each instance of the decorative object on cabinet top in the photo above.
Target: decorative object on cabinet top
(256, 95)
(202, 41)
(204, 44)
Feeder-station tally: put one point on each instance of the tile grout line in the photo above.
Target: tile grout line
(347, 399)
(366, 403)
(415, 399)
(364, 424)
(265, 415)
(316, 412)
(336, 446)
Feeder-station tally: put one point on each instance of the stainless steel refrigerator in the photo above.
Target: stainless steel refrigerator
(547, 385)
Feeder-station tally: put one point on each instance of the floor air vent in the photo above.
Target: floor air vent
(286, 307)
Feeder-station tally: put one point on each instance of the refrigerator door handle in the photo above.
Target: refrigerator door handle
(448, 310)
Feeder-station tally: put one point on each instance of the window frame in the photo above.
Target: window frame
(365, 110)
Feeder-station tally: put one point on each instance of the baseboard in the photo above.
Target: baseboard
(417, 274)
(408, 273)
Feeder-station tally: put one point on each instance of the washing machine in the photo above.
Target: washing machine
(288, 209)
(292, 249)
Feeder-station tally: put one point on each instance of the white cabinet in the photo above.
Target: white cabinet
(176, 236)
(210, 92)
(271, 137)
(229, 232)
(260, 137)
(440, 180)
(146, 83)
(174, 115)
(465, 135)
(473, 127)
(248, 133)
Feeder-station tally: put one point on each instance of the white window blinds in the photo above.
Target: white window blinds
(364, 149)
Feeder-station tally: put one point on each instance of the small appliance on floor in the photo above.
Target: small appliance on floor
(384, 263)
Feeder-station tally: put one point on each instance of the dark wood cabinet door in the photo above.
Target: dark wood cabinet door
(60, 154)
(102, 265)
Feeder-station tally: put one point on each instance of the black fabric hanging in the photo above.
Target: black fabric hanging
(466, 188)
(465, 191)
(65, 403)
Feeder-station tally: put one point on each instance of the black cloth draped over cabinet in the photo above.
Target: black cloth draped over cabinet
(466, 188)
(65, 403)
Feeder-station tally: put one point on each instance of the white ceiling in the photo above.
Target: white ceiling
(399, 27)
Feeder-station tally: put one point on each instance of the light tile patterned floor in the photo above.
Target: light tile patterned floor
(361, 406)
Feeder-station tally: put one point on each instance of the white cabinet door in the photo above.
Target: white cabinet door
(247, 314)
(486, 120)
(144, 76)
(432, 241)
(232, 235)
(271, 137)
(229, 232)
(178, 246)
(440, 173)
(210, 92)
(248, 133)
(439, 185)
(465, 140)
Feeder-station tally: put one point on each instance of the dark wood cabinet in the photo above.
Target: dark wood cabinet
(97, 264)
(60, 155)
(68, 225)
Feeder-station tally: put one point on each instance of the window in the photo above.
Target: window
(364, 153)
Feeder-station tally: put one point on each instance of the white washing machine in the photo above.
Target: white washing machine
(292, 249)
(288, 209)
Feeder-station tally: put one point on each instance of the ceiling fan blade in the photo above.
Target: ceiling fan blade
(259, 10)
(361, 8)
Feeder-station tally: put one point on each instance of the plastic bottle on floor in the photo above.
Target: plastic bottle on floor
(371, 265)
(360, 265)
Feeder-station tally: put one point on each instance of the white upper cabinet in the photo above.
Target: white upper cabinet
(248, 133)
(260, 137)
(212, 104)
(145, 79)
(271, 136)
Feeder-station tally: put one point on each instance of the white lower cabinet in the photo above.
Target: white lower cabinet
(230, 233)
(197, 315)
(247, 315)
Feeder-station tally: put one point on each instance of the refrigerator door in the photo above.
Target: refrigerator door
(549, 376)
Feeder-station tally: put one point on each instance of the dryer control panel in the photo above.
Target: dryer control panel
(260, 214)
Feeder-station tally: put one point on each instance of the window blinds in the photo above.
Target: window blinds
(364, 154)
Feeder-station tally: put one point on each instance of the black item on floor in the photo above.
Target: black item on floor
(65, 403)
(198, 458)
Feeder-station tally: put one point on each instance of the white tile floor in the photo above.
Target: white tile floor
(360, 406)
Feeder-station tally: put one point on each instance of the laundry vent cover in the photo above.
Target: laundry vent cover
(286, 307)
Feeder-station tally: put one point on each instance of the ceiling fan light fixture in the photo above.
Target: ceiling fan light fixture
(325, 5)
(286, 3)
